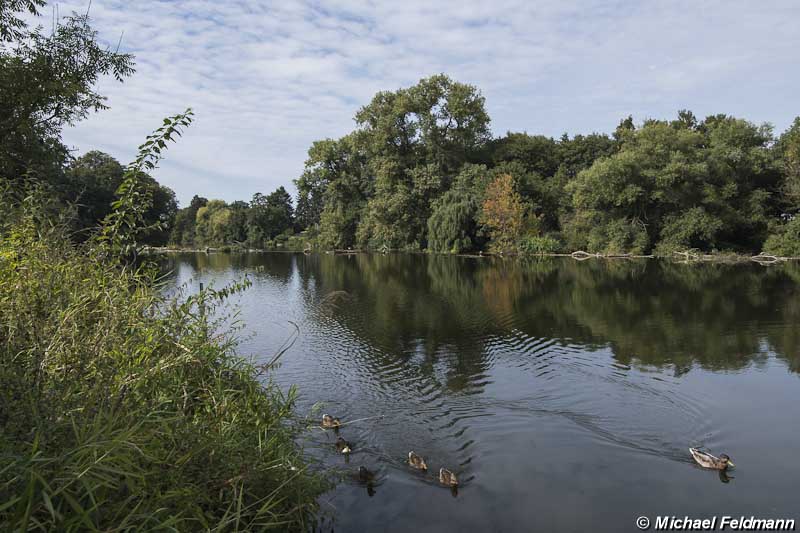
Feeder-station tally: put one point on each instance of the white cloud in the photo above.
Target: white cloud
(266, 79)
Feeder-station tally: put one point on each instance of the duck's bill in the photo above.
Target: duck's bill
(730, 464)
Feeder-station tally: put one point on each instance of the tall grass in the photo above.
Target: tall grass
(121, 410)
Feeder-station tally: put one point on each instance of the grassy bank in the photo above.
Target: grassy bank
(120, 410)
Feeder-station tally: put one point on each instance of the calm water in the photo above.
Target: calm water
(564, 394)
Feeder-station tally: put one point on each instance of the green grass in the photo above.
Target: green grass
(121, 410)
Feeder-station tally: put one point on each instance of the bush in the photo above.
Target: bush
(785, 239)
(595, 232)
(544, 244)
(120, 409)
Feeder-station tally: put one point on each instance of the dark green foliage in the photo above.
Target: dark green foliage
(183, 231)
(47, 82)
(409, 145)
(91, 185)
(784, 239)
(92, 182)
(673, 186)
(453, 226)
(120, 409)
(788, 153)
(268, 217)
(545, 244)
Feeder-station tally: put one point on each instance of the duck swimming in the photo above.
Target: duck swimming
(329, 421)
(706, 460)
(365, 475)
(448, 478)
(342, 446)
(416, 461)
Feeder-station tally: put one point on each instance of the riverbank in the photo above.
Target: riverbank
(120, 409)
(579, 255)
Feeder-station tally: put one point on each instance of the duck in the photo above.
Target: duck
(365, 475)
(448, 478)
(416, 461)
(342, 446)
(706, 460)
(329, 421)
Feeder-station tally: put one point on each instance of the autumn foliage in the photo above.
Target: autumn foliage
(502, 213)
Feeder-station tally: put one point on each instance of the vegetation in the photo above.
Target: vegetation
(420, 171)
(119, 409)
(406, 179)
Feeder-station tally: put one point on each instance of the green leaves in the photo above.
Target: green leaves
(126, 220)
(676, 185)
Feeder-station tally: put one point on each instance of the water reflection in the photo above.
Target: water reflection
(571, 381)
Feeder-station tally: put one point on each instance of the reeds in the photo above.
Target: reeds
(120, 410)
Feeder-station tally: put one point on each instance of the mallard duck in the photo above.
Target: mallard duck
(365, 475)
(343, 446)
(329, 421)
(448, 478)
(706, 460)
(416, 461)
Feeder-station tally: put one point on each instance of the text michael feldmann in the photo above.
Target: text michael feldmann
(723, 523)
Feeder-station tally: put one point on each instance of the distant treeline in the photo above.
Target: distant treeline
(422, 171)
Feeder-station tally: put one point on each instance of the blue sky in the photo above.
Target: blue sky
(266, 79)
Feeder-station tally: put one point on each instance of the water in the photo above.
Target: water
(564, 394)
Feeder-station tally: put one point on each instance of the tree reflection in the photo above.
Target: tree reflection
(448, 312)
(659, 313)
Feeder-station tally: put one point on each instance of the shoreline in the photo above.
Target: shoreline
(579, 255)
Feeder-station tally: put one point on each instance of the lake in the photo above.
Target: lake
(564, 394)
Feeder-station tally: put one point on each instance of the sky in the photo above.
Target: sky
(266, 79)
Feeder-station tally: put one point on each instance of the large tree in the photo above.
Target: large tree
(677, 185)
(91, 183)
(415, 141)
(47, 81)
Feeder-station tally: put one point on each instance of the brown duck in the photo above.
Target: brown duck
(706, 460)
(416, 461)
(448, 478)
(329, 421)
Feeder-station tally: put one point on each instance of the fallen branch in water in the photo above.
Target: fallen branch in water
(360, 420)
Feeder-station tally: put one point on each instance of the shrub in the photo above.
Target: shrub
(785, 239)
(122, 410)
(544, 244)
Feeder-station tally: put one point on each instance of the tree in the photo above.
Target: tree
(47, 82)
(788, 148)
(91, 184)
(347, 187)
(269, 216)
(414, 141)
(236, 232)
(327, 161)
(453, 224)
(160, 216)
(677, 186)
(183, 230)
(502, 213)
(212, 221)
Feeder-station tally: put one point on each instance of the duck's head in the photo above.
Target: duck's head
(727, 461)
